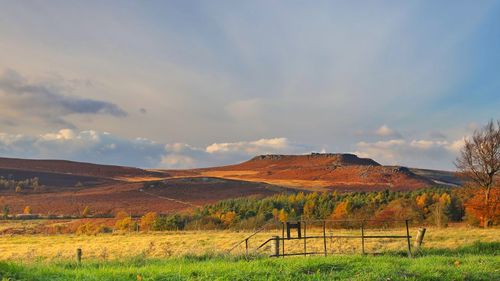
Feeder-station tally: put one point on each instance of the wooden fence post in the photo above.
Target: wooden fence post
(305, 240)
(362, 239)
(408, 238)
(79, 256)
(283, 239)
(276, 244)
(246, 247)
(324, 237)
(420, 238)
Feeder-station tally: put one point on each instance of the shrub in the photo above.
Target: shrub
(125, 224)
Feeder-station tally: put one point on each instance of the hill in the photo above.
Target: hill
(67, 187)
(322, 172)
(77, 168)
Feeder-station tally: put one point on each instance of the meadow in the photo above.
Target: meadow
(453, 253)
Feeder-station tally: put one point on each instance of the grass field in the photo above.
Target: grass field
(455, 253)
(181, 243)
(479, 261)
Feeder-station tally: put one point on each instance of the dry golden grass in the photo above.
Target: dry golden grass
(138, 179)
(173, 244)
(310, 185)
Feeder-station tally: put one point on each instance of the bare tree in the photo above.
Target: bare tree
(479, 160)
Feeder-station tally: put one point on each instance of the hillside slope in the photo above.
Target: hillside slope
(76, 168)
(322, 172)
(68, 187)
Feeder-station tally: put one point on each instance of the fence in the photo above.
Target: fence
(314, 235)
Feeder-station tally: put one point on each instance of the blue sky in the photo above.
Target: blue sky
(197, 83)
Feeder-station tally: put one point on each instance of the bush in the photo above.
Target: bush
(125, 224)
(27, 210)
(88, 228)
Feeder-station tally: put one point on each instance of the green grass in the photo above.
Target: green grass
(479, 261)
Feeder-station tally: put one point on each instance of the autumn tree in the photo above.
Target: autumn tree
(27, 210)
(123, 221)
(479, 163)
(275, 214)
(228, 218)
(147, 221)
(341, 211)
(483, 216)
(309, 209)
(283, 216)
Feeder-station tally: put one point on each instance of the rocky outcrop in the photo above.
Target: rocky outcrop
(335, 159)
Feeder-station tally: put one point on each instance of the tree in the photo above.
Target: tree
(147, 221)
(228, 218)
(309, 209)
(276, 214)
(27, 210)
(341, 211)
(123, 221)
(18, 189)
(283, 216)
(476, 212)
(124, 224)
(479, 161)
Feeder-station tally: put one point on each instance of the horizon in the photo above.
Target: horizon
(201, 84)
(236, 163)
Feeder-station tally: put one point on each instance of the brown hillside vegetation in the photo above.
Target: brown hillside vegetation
(322, 172)
(137, 198)
(76, 168)
(67, 188)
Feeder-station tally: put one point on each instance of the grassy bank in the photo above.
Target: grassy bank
(479, 261)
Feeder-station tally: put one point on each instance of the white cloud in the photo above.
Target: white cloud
(87, 146)
(106, 148)
(415, 153)
(385, 131)
(180, 155)
(262, 146)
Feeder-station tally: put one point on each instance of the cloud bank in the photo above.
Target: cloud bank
(413, 153)
(105, 148)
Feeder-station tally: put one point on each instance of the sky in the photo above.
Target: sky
(182, 84)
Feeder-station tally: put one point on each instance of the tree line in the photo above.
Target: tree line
(432, 206)
(19, 185)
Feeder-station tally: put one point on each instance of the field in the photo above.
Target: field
(455, 253)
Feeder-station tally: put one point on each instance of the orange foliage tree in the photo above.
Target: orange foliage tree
(283, 216)
(147, 221)
(484, 213)
(341, 211)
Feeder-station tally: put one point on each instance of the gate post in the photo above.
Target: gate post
(420, 238)
(276, 246)
(79, 256)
